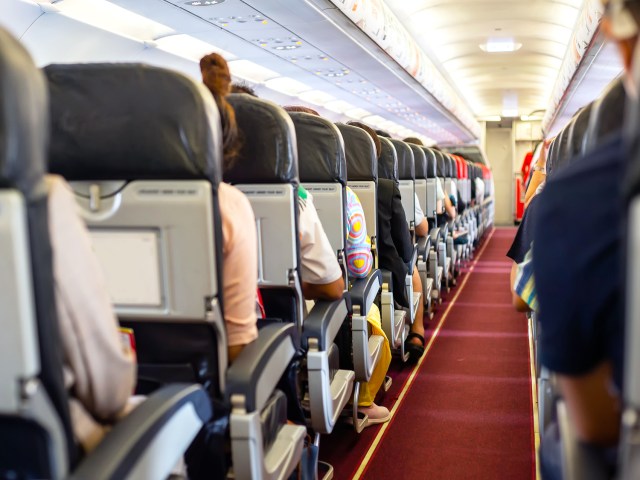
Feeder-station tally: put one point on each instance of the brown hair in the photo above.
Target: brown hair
(302, 109)
(217, 78)
(414, 140)
(243, 88)
(371, 133)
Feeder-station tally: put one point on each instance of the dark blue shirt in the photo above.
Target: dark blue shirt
(577, 257)
(524, 236)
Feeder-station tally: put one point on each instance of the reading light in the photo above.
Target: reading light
(251, 72)
(500, 45)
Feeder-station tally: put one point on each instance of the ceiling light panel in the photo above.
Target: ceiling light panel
(251, 71)
(287, 86)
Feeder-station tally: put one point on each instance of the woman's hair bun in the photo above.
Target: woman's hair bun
(215, 74)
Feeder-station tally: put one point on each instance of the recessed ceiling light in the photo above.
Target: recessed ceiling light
(250, 71)
(500, 45)
(316, 97)
(286, 47)
(339, 106)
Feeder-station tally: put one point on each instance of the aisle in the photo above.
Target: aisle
(467, 411)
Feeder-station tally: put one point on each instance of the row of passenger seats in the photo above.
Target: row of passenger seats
(142, 150)
(587, 130)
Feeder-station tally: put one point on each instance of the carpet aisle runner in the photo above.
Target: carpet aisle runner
(468, 412)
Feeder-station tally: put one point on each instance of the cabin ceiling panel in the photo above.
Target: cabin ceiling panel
(452, 31)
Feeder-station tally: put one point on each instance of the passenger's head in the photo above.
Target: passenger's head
(243, 88)
(621, 22)
(414, 140)
(216, 76)
(301, 109)
(382, 133)
(371, 133)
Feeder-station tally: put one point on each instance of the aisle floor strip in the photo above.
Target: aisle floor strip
(407, 385)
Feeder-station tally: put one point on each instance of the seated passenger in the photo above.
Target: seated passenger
(240, 247)
(578, 261)
(99, 370)
(395, 251)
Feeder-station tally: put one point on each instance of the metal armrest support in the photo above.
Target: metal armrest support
(254, 375)
(324, 321)
(150, 440)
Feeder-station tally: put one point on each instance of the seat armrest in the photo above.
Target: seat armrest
(135, 436)
(254, 374)
(364, 290)
(424, 245)
(434, 235)
(324, 321)
(414, 259)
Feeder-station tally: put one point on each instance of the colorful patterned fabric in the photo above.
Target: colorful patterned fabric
(358, 245)
(525, 285)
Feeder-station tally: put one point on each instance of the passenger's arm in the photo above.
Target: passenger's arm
(449, 208)
(422, 230)
(537, 177)
(239, 275)
(325, 291)
(103, 373)
(399, 228)
(593, 407)
(320, 271)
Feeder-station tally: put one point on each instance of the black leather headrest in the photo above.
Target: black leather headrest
(131, 121)
(562, 150)
(453, 167)
(441, 167)
(419, 161)
(24, 126)
(578, 133)
(360, 152)
(406, 163)
(607, 114)
(432, 162)
(388, 161)
(321, 155)
(269, 152)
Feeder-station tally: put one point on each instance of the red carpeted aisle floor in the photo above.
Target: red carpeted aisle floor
(467, 412)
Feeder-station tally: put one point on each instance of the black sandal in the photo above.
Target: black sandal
(415, 351)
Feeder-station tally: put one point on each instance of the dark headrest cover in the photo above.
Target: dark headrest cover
(431, 162)
(419, 161)
(578, 133)
(440, 165)
(24, 127)
(269, 153)
(453, 167)
(607, 116)
(388, 161)
(406, 163)
(563, 145)
(131, 121)
(320, 149)
(362, 162)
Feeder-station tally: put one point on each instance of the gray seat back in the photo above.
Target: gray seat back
(147, 186)
(35, 427)
(420, 165)
(406, 178)
(362, 168)
(267, 172)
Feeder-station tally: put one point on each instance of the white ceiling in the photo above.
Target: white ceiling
(451, 32)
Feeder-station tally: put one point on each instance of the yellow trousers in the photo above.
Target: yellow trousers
(368, 390)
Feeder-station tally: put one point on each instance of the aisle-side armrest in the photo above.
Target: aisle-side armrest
(364, 290)
(159, 423)
(414, 259)
(434, 235)
(255, 373)
(424, 245)
(324, 321)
